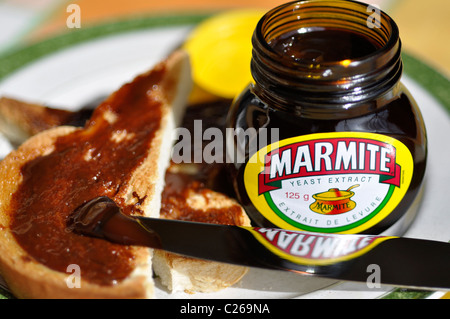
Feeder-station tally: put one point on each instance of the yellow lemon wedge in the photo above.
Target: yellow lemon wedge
(220, 49)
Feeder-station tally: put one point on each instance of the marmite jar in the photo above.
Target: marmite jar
(327, 139)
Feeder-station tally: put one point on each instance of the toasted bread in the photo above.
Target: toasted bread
(177, 273)
(20, 120)
(191, 201)
(27, 261)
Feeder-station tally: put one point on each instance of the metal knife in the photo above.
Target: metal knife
(400, 262)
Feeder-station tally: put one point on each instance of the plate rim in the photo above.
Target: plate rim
(13, 60)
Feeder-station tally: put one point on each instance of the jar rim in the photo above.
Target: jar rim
(349, 82)
(385, 51)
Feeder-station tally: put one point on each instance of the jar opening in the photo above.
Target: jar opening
(318, 46)
(322, 45)
(295, 22)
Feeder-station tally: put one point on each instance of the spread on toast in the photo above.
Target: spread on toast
(195, 192)
(119, 153)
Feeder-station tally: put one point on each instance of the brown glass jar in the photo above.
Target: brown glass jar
(327, 116)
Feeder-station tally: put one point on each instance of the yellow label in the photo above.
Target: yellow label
(342, 182)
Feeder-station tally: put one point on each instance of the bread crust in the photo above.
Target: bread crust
(20, 120)
(26, 277)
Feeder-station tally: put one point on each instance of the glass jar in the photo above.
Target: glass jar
(327, 139)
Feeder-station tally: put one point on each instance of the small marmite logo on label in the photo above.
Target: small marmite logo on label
(334, 201)
(329, 182)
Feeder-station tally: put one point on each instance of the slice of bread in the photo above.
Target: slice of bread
(177, 273)
(20, 120)
(27, 277)
(27, 253)
(184, 198)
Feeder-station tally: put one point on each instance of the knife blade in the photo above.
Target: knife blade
(399, 261)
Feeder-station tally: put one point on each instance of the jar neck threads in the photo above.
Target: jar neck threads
(325, 79)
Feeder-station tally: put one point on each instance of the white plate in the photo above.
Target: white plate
(71, 73)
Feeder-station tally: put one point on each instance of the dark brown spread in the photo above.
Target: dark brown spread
(102, 218)
(57, 184)
(314, 45)
(175, 205)
(84, 165)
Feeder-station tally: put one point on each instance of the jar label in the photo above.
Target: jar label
(343, 182)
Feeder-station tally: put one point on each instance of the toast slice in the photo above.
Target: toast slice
(20, 120)
(123, 153)
(194, 188)
(186, 198)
